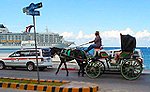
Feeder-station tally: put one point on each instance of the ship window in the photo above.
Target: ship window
(46, 38)
(12, 37)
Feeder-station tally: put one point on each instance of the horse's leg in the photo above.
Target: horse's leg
(79, 71)
(59, 67)
(82, 69)
(66, 68)
(83, 66)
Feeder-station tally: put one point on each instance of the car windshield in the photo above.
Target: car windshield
(46, 52)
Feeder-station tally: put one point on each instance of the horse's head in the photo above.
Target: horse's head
(54, 51)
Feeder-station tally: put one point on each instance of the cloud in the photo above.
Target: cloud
(116, 33)
(142, 34)
(143, 38)
(67, 34)
(76, 36)
(109, 38)
(81, 35)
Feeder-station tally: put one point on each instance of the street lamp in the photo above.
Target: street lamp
(30, 10)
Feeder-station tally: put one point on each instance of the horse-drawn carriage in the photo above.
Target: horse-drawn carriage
(127, 60)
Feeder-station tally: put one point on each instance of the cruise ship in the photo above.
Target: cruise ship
(26, 39)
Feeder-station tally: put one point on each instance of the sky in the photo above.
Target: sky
(77, 20)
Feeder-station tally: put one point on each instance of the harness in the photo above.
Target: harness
(82, 54)
(65, 52)
(68, 52)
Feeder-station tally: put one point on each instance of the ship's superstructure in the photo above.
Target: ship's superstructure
(3, 29)
(22, 39)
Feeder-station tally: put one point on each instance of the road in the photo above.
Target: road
(110, 82)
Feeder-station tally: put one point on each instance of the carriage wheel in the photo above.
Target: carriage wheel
(101, 66)
(94, 69)
(131, 69)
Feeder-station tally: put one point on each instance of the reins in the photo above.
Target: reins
(80, 45)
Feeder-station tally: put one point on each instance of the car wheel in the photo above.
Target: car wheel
(2, 65)
(30, 66)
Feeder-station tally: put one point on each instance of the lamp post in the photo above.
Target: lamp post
(30, 10)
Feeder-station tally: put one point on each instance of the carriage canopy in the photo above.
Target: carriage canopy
(128, 43)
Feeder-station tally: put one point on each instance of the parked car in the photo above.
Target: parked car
(27, 58)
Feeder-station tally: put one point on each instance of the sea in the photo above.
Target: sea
(144, 50)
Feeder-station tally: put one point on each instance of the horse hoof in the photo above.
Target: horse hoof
(78, 74)
(82, 75)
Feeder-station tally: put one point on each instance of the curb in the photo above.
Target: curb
(36, 87)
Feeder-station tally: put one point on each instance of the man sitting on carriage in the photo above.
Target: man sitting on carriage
(97, 42)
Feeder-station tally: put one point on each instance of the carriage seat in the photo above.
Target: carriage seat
(125, 55)
(96, 50)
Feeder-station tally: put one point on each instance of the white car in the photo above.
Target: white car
(27, 58)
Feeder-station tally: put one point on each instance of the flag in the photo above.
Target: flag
(28, 28)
